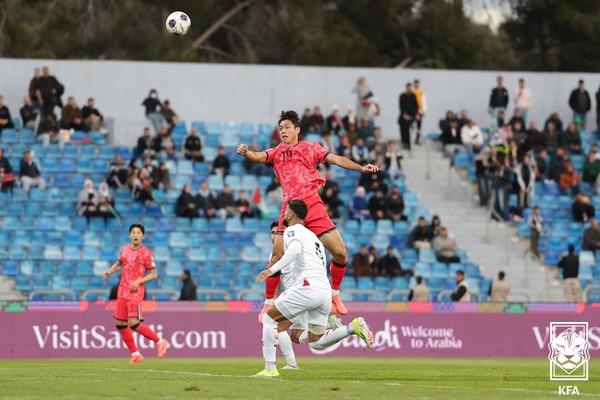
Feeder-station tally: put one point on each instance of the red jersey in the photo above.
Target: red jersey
(296, 168)
(134, 264)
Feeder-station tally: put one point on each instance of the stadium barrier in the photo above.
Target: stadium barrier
(65, 329)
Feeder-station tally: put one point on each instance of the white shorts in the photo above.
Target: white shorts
(300, 322)
(313, 301)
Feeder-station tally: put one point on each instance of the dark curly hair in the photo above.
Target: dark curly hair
(291, 116)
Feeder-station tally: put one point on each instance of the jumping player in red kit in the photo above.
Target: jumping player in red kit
(135, 260)
(295, 163)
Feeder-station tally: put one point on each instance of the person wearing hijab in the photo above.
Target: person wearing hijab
(359, 208)
(106, 201)
(88, 200)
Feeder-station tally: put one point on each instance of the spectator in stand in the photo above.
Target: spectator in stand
(389, 265)
(359, 208)
(501, 183)
(420, 237)
(205, 202)
(153, 107)
(526, 181)
(365, 129)
(377, 155)
(373, 259)
(419, 292)
(394, 203)
(461, 293)
(332, 202)
(89, 200)
(145, 144)
(307, 122)
(499, 289)
(444, 123)
(258, 169)
(162, 179)
(192, 148)
(555, 119)
(33, 95)
(520, 136)
(349, 118)
(106, 202)
(569, 180)
(505, 134)
(435, 227)
(221, 163)
(119, 173)
(352, 133)
(331, 183)
(422, 105)
(372, 182)
(591, 169)
(169, 115)
(188, 290)
(345, 148)
(48, 91)
(523, 99)
(334, 122)
(5, 169)
(363, 93)
(163, 145)
(393, 156)
(186, 206)
(274, 192)
(92, 118)
(517, 118)
(558, 164)
(360, 263)
(29, 113)
(536, 140)
(451, 139)
(242, 206)
(498, 98)
(377, 206)
(318, 119)
(463, 117)
(151, 171)
(445, 247)
(360, 153)
(591, 237)
(536, 225)
(409, 112)
(570, 267)
(499, 121)
(541, 165)
(72, 117)
(225, 203)
(132, 171)
(571, 139)
(142, 188)
(5, 118)
(581, 209)
(29, 173)
(580, 102)
(471, 137)
(326, 141)
(484, 166)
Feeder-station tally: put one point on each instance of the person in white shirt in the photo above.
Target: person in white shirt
(523, 99)
(310, 293)
(471, 136)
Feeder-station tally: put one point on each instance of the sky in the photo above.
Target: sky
(488, 12)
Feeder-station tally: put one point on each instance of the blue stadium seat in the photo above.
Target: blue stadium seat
(90, 253)
(83, 268)
(71, 253)
(166, 225)
(427, 256)
(78, 283)
(62, 223)
(23, 283)
(10, 268)
(365, 283)
(19, 195)
(385, 227)
(173, 268)
(160, 238)
(26, 136)
(250, 254)
(233, 225)
(162, 253)
(9, 136)
(200, 225)
(52, 252)
(45, 224)
(400, 283)
(382, 283)
(439, 270)
(178, 239)
(99, 167)
(185, 167)
(183, 224)
(9, 223)
(422, 269)
(401, 228)
(53, 151)
(215, 183)
(41, 282)
(67, 165)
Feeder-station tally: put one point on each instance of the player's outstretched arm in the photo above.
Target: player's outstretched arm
(347, 163)
(254, 156)
(150, 277)
(115, 267)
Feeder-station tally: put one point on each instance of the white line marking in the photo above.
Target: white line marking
(189, 373)
(488, 388)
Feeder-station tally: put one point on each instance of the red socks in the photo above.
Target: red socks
(271, 286)
(127, 337)
(145, 331)
(337, 269)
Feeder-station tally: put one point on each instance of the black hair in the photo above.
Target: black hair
(390, 247)
(140, 226)
(460, 271)
(291, 116)
(580, 81)
(274, 224)
(419, 279)
(187, 272)
(501, 275)
(299, 208)
(571, 249)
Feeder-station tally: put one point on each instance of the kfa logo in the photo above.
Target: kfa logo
(569, 351)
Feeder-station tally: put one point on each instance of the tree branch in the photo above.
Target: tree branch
(220, 22)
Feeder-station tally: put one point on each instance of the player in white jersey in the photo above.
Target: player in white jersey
(310, 293)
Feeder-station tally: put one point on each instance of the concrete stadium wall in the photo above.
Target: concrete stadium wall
(228, 92)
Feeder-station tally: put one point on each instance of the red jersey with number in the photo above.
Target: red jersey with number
(134, 264)
(296, 168)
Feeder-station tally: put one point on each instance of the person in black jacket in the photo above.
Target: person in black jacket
(144, 144)
(29, 113)
(394, 203)
(570, 266)
(498, 98)
(377, 206)
(188, 290)
(389, 265)
(221, 163)
(409, 112)
(451, 139)
(420, 237)
(192, 148)
(5, 168)
(580, 102)
(581, 209)
(5, 118)
(186, 206)
(205, 202)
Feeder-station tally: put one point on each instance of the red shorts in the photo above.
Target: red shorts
(128, 309)
(317, 220)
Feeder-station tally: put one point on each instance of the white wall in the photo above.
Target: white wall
(255, 93)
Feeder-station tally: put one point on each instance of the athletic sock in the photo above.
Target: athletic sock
(330, 338)
(127, 336)
(271, 286)
(145, 331)
(303, 337)
(350, 328)
(269, 342)
(337, 269)
(287, 349)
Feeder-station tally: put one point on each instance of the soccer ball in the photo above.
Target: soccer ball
(178, 23)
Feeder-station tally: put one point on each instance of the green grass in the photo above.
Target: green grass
(328, 378)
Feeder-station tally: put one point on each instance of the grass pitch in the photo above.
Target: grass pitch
(329, 378)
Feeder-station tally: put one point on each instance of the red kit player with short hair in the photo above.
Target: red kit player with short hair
(295, 163)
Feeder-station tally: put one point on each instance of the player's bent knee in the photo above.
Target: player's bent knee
(295, 335)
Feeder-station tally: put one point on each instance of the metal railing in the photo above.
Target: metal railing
(375, 293)
(403, 292)
(243, 293)
(172, 293)
(588, 289)
(90, 292)
(64, 293)
(442, 293)
(221, 292)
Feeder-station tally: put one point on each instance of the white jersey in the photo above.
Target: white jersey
(286, 274)
(310, 264)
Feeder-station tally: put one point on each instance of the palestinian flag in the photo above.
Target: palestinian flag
(258, 204)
